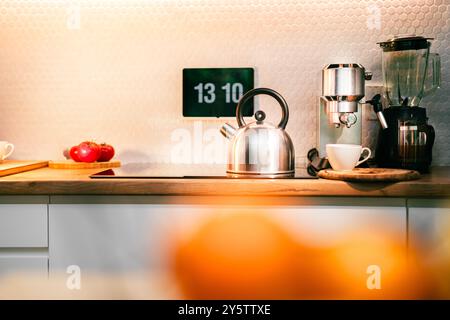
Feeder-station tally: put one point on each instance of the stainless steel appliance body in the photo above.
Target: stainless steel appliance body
(260, 149)
(343, 86)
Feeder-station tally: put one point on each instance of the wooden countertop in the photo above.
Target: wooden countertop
(48, 181)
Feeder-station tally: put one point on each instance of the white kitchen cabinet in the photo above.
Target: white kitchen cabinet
(23, 271)
(23, 225)
(23, 235)
(29, 264)
(429, 221)
(429, 235)
(429, 240)
(134, 234)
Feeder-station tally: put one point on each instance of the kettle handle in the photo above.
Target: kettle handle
(250, 94)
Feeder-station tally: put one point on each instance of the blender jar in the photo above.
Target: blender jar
(410, 71)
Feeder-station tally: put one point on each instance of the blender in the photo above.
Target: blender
(410, 72)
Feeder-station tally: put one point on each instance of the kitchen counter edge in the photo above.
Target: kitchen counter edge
(48, 181)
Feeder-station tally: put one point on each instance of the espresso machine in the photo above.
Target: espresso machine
(410, 72)
(340, 112)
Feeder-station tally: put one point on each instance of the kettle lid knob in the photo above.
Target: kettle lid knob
(260, 116)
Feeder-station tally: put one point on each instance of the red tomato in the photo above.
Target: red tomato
(88, 151)
(74, 154)
(106, 152)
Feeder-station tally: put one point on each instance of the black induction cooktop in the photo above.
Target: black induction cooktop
(195, 171)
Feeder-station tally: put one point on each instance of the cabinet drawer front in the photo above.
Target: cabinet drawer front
(23, 225)
(32, 265)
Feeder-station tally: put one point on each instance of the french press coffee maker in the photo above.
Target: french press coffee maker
(410, 72)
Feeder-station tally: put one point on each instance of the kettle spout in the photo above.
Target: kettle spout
(228, 131)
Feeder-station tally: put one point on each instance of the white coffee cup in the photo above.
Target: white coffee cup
(6, 149)
(344, 157)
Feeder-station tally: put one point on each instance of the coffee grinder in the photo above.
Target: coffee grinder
(410, 72)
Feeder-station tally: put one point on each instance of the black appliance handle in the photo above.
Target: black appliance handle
(430, 134)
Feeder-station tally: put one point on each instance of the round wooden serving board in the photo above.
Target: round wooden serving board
(370, 175)
(70, 164)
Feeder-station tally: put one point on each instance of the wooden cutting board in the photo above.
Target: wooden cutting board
(70, 164)
(8, 167)
(370, 175)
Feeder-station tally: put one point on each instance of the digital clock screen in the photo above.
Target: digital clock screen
(215, 92)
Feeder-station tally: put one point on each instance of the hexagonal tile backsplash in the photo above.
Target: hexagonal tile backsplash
(111, 70)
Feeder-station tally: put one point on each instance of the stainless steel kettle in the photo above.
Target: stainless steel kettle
(260, 149)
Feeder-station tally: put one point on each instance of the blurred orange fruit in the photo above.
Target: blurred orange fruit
(249, 256)
(374, 265)
(237, 256)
